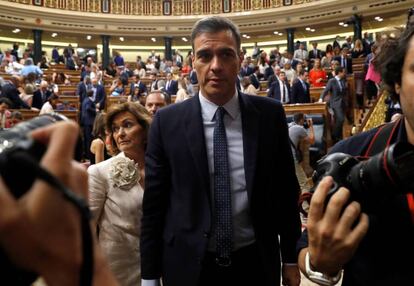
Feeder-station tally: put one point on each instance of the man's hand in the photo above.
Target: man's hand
(41, 231)
(334, 230)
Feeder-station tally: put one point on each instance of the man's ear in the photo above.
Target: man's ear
(397, 88)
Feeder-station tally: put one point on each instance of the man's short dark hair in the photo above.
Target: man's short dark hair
(338, 70)
(215, 24)
(302, 72)
(297, 117)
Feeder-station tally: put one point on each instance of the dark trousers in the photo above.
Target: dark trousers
(246, 269)
(339, 118)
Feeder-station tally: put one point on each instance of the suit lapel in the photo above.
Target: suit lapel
(250, 127)
(194, 131)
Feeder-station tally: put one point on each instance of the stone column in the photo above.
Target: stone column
(168, 45)
(105, 51)
(37, 46)
(290, 39)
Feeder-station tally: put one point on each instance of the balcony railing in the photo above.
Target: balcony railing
(162, 7)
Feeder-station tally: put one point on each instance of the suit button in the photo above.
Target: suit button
(206, 235)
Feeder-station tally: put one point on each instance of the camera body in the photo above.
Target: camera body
(13, 143)
(371, 181)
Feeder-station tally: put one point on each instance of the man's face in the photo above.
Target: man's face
(154, 102)
(3, 107)
(305, 76)
(282, 76)
(217, 62)
(406, 90)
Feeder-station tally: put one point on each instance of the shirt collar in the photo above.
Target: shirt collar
(337, 78)
(209, 108)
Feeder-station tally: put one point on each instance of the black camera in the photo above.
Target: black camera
(371, 181)
(13, 143)
(19, 176)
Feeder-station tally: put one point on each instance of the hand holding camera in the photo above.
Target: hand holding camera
(40, 231)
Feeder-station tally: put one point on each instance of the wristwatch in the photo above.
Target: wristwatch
(318, 277)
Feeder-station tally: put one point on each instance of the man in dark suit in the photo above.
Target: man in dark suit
(88, 115)
(280, 89)
(10, 91)
(315, 53)
(300, 89)
(41, 95)
(99, 94)
(213, 205)
(171, 86)
(254, 77)
(137, 83)
(245, 69)
(82, 88)
(337, 101)
(344, 60)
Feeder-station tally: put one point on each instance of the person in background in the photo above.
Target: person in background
(116, 188)
(50, 105)
(337, 88)
(98, 148)
(300, 139)
(182, 93)
(247, 86)
(154, 101)
(301, 88)
(88, 115)
(317, 76)
(5, 114)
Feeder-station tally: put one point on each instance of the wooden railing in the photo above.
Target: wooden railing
(376, 115)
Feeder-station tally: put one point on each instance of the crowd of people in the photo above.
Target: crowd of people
(206, 191)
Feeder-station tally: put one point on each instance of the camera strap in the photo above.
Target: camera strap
(381, 140)
(23, 160)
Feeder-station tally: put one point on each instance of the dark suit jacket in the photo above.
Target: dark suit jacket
(337, 98)
(318, 54)
(88, 112)
(348, 63)
(268, 72)
(10, 91)
(81, 91)
(173, 88)
(274, 91)
(142, 88)
(254, 80)
(100, 96)
(246, 71)
(299, 95)
(38, 100)
(177, 211)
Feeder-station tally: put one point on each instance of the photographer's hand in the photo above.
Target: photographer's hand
(335, 229)
(41, 231)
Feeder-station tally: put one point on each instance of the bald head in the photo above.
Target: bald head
(154, 101)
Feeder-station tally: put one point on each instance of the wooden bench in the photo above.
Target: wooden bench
(72, 101)
(67, 90)
(315, 93)
(28, 114)
(110, 100)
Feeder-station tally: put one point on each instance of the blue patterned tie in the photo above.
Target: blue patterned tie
(222, 192)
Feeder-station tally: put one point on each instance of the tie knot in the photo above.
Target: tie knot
(220, 113)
